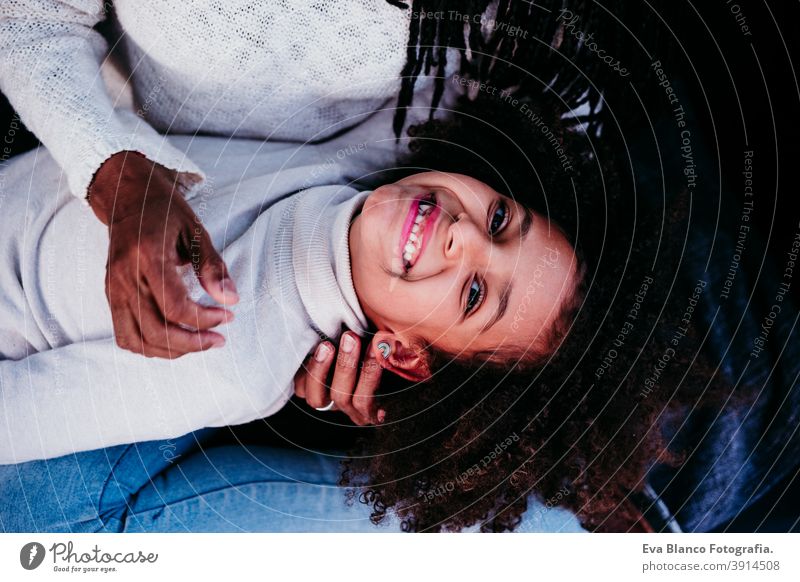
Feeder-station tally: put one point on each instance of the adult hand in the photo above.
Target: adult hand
(352, 392)
(153, 231)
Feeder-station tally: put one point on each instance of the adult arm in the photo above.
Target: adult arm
(50, 57)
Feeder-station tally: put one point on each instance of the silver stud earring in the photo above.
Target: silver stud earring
(385, 349)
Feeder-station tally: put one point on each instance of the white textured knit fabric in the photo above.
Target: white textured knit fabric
(65, 386)
(279, 69)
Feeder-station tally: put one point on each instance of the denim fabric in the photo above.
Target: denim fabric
(182, 486)
(84, 492)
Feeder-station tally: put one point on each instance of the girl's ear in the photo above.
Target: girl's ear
(398, 354)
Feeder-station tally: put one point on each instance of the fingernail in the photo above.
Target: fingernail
(322, 352)
(348, 343)
(381, 416)
(218, 342)
(229, 286)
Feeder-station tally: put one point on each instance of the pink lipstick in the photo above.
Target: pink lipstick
(417, 228)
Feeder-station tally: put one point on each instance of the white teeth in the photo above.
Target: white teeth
(423, 210)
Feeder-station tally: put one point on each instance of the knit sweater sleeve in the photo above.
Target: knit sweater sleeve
(50, 57)
(90, 395)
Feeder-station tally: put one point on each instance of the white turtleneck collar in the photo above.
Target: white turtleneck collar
(321, 258)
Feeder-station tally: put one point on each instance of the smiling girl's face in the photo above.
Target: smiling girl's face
(444, 259)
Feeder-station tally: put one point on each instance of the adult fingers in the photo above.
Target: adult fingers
(368, 383)
(126, 330)
(345, 375)
(139, 325)
(212, 271)
(316, 392)
(164, 339)
(172, 299)
(128, 335)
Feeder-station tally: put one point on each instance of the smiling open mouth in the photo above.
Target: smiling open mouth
(418, 228)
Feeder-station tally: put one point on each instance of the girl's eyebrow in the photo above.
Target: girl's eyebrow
(502, 306)
(505, 293)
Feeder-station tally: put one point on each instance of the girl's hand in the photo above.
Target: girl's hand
(352, 392)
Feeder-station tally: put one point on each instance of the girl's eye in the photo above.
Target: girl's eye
(474, 296)
(499, 219)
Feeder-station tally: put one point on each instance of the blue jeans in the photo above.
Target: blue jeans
(181, 486)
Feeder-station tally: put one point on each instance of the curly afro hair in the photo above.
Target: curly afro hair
(579, 422)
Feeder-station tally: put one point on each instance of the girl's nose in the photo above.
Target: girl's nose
(465, 241)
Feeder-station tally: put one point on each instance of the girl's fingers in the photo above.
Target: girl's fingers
(316, 392)
(345, 376)
(310, 381)
(300, 383)
(368, 383)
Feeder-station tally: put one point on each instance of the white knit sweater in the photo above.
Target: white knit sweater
(288, 253)
(278, 69)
